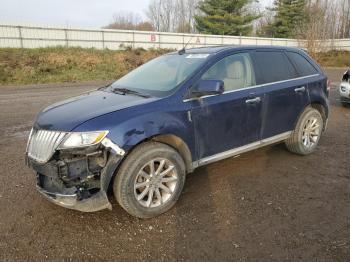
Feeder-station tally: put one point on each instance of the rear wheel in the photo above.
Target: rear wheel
(307, 133)
(150, 180)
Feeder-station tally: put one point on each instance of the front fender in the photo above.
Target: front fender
(135, 130)
(128, 128)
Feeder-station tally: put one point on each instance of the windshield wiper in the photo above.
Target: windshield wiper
(124, 91)
(104, 87)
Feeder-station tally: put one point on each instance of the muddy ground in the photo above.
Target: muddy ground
(266, 205)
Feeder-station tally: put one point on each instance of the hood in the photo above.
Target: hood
(66, 115)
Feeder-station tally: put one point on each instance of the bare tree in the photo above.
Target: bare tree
(312, 35)
(144, 26)
(172, 15)
(124, 20)
(328, 19)
(345, 19)
(335, 17)
(129, 21)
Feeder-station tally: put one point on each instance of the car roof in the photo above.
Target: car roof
(222, 48)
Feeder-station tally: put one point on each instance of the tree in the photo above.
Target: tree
(172, 15)
(129, 21)
(314, 19)
(313, 31)
(225, 17)
(144, 26)
(263, 24)
(124, 20)
(290, 15)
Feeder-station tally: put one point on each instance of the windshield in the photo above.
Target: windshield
(162, 75)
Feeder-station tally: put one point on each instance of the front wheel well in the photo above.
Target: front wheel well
(179, 145)
(171, 140)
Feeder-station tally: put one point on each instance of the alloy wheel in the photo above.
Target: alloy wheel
(155, 183)
(311, 132)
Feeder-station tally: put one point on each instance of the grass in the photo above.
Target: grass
(58, 65)
(334, 59)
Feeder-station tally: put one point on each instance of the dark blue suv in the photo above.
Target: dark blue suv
(141, 135)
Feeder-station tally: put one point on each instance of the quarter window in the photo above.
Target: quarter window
(274, 66)
(303, 66)
(236, 71)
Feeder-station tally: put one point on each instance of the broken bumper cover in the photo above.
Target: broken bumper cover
(52, 180)
(97, 202)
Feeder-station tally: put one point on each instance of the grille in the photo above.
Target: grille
(42, 144)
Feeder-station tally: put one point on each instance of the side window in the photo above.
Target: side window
(274, 66)
(236, 71)
(303, 66)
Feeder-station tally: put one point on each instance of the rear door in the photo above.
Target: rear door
(286, 93)
(316, 81)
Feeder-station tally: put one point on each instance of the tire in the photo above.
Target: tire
(344, 104)
(298, 141)
(136, 170)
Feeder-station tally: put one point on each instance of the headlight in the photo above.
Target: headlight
(83, 139)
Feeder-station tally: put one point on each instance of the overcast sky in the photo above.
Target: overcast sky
(74, 13)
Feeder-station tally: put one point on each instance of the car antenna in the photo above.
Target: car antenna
(183, 50)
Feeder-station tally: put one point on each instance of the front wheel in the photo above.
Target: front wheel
(150, 180)
(307, 133)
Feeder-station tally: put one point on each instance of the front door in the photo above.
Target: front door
(232, 119)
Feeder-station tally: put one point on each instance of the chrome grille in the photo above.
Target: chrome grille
(42, 144)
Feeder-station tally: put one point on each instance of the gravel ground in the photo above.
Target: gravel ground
(266, 205)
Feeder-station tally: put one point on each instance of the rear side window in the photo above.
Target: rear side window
(273, 67)
(305, 68)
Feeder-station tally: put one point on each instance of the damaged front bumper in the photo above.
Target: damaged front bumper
(79, 178)
(95, 203)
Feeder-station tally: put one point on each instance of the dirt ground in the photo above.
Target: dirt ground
(266, 205)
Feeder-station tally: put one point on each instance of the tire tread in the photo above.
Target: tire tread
(120, 189)
(293, 143)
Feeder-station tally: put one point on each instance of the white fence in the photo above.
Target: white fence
(24, 36)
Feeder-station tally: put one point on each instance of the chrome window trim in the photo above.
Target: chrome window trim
(251, 87)
(242, 149)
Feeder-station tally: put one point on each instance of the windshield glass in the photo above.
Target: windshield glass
(162, 75)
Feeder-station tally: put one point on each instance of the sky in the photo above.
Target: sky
(70, 13)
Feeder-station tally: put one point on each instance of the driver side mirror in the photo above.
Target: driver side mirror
(208, 87)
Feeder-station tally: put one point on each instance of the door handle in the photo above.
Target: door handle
(300, 89)
(253, 101)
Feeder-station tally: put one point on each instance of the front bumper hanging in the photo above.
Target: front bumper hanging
(79, 179)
